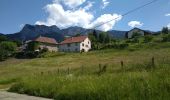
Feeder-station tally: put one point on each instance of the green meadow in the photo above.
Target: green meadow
(139, 72)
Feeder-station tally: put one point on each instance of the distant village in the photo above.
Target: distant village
(73, 44)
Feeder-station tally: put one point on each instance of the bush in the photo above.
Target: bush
(166, 38)
(50, 54)
(115, 46)
(7, 49)
(148, 38)
(3, 38)
(27, 54)
(44, 50)
(32, 46)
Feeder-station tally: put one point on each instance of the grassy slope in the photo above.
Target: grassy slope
(49, 77)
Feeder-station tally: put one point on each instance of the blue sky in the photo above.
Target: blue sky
(84, 13)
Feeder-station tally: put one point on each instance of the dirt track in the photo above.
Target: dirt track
(13, 96)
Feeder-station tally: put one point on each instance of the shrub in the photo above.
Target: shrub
(32, 46)
(7, 49)
(135, 40)
(44, 50)
(3, 38)
(148, 38)
(27, 54)
(50, 54)
(166, 38)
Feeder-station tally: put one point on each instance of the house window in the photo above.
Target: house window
(76, 44)
(76, 49)
(68, 45)
(87, 46)
(83, 44)
(88, 42)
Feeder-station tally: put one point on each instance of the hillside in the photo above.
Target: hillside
(75, 76)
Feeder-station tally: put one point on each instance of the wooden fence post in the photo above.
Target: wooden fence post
(153, 62)
(104, 68)
(58, 71)
(122, 65)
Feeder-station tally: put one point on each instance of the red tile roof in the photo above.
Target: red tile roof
(74, 39)
(46, 40)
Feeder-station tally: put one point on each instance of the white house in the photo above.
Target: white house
(137, 30)
(75, 44)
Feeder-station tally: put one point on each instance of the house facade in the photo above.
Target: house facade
(45, 42)
(137, 30)
(75, 44)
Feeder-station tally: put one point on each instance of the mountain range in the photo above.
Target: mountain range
(30, 32)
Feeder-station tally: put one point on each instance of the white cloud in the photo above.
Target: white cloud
(135, 24)
(105, 3)
(167, 15)
(105, 18)
(70, 3)
(89, 5)
(64, 18)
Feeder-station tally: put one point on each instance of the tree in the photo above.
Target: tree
(7, 49)
(92, 37)
(95, 34)
(8, 46)
(165, 30)
(108, 39)
(32, 46)
(78, 34)
(102, 37)
(19, 43)
(93, 40)
(3, 38)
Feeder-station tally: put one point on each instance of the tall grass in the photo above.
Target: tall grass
(136, 82)
(74, 76)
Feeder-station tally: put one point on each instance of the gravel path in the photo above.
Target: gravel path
(13, 96)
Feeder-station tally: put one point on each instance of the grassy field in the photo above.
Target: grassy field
(97, 75)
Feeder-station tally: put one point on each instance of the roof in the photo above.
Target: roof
(46, 40)
(74, 39)
(146, 32)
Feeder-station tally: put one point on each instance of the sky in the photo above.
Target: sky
(14, 14)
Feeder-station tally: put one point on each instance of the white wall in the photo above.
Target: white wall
(87, 45)
(76, 47)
